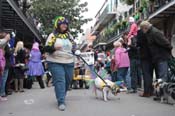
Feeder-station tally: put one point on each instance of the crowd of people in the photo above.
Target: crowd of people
(19, 66)
(136, 55)
(141, 51)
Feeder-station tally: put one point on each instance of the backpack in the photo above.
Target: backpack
(2, 61)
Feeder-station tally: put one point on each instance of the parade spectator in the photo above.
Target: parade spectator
(135, 71)
(19, 69)
(35, 63)
(91, 66)
(108, 62)
(122, 62)
(102, 56)
(131, 40)
(11, 74)
(159, 51)
(60, 61)
(133, 30)
(4, 38)
(5, 73)
(113, 69)
(146, 63)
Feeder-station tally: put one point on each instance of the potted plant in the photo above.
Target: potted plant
(141, 9)
(124, 22)
(119, 25)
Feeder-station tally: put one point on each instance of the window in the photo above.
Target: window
(126, 14)
(131, 11)
(116, 2)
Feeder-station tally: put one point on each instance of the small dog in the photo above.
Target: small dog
(164, 91)
(110, 87)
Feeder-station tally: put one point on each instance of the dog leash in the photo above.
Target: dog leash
(106, 85)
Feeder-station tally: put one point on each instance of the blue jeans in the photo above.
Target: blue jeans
(3, 83)
(62, 76)
(128, 78)
(161, 69)
(122, 75)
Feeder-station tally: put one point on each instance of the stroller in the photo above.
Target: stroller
(80, 78)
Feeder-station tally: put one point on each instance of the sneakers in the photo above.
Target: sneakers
(62, 107)
(3, 99)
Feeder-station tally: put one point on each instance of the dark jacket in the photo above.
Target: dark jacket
(20, 57)
(142, 45)
(159, 47)
(133, 52)
(8, 53)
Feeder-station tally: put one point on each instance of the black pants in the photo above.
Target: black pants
(147, 70)
(114, 76)
(30, 82)
(10, 80)
(136, 73)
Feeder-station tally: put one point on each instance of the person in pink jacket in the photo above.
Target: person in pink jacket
(133, 30)
(122, 62)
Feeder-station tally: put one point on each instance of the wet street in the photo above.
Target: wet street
(38, 102)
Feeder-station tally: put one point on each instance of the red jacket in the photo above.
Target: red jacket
(133, 30)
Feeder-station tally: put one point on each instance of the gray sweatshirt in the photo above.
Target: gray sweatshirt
(63, 55)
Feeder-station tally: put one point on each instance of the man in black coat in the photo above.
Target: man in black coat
(156, 56)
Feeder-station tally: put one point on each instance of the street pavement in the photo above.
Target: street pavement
(37, 102)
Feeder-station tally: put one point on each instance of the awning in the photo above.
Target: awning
(164, 12)
(12, 18)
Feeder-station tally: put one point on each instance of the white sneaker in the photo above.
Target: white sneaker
(62, 107)
(3, 98)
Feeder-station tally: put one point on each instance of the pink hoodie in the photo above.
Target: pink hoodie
(121, 58)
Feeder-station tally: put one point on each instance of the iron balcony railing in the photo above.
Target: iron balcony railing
(158, 4)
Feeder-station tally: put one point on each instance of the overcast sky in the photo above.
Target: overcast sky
(93, 6)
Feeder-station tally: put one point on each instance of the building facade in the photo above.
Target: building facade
(112, 18)
(14, 18)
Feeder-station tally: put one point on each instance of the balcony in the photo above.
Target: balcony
(110, 36)
(103, 19)
(161, 9)
(13, 18)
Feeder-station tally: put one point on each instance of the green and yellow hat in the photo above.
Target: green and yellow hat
(60, 20)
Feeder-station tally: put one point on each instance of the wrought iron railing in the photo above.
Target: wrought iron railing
(158, 4)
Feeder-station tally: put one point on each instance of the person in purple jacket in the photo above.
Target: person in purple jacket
(35, 66)
(122, 63)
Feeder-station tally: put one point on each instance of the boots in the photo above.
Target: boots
(21, 84)
(16, 85)
(29, 83)
(40, 81)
